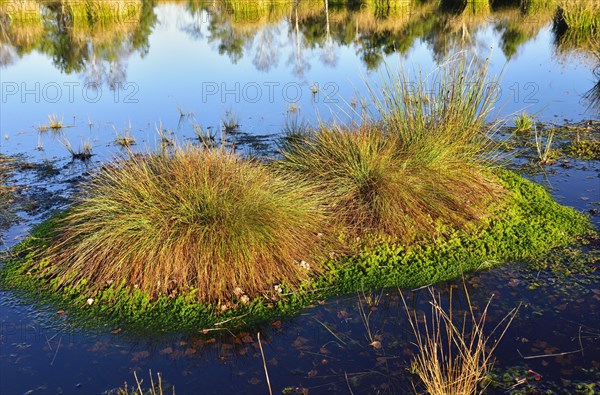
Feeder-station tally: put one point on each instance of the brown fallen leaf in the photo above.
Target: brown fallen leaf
(117, 331)
(376, 345)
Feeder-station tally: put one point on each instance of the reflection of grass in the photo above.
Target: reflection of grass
(102, 21)
(455, 354)
(25, 26)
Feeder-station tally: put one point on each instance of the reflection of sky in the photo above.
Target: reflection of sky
(178, 67)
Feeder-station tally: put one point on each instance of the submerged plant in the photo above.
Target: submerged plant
(193, 221)
(455, 353)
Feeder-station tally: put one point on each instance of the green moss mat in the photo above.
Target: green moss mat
(527, 224)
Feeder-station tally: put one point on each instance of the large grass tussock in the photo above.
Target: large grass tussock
(196, 220)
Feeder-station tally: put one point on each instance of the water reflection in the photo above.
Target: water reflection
(95, 38)
(92, 38)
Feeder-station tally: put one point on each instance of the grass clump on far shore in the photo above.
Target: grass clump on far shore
(193, 221)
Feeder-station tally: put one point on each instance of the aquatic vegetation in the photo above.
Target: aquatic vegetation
(585, 148)
(199, 222)
(543, 144)
(156, 388)
(524, 122)
(84, 152)
(125, 141)
(54, 123)
(230, 122)
(455, 354)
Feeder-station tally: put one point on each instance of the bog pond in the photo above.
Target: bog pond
(161, 71)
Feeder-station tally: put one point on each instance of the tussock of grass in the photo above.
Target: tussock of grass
(524, 122)
(455, 355)
(415, 164)
(379, 190)
(195, 221)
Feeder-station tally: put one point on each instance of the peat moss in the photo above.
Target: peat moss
(526, 224)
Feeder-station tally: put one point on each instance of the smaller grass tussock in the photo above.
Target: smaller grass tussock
(419, 161)
(84, 152)
(524, 122)
(455, 353)
(192, 221)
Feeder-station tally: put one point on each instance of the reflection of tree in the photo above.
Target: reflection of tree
(90, 37)
(328, 55)
(297, 59)
(267, 49)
